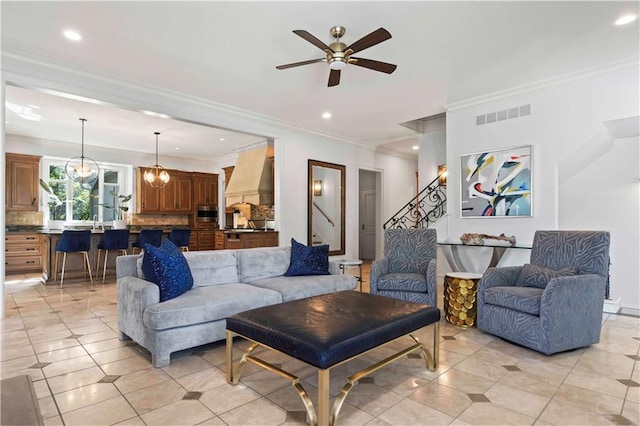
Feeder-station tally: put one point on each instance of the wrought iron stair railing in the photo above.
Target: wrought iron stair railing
(424, 209)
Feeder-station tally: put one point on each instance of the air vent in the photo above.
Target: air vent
(505, 114)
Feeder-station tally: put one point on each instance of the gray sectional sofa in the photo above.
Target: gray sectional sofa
(225, 282)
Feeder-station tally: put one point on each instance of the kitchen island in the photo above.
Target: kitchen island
(74, 267)
(245, 238)
(33, 248)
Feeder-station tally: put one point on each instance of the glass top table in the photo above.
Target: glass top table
(452, 250)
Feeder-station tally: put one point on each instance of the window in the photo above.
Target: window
(72, 203)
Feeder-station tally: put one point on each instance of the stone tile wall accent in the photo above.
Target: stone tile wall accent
(13, 217)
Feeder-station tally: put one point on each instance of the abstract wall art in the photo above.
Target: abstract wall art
(496, 183)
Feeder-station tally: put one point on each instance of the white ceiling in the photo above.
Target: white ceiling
(226, 52)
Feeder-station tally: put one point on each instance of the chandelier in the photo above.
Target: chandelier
(82, 170)
(156, 176)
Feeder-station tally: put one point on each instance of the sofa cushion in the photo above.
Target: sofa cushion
(308, 260)
(292, 288)
(265, 262)
(213, 267)
(207, 303)
(523, 299)
(539, 277)
(416, 283)
(166, 267)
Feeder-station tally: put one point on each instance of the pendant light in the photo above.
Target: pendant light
(82, 170)
(156, 176)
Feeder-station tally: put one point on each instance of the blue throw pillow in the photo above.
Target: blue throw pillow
(308, 260)
(166, 267)
(539, 277)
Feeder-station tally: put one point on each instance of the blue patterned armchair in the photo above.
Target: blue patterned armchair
(554, 303)
(408, 269)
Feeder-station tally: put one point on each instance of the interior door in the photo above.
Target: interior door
(367, 231)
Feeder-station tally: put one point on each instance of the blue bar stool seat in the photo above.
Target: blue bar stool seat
(150, 236)
(73, 242)
(112, 239)
(180, 237)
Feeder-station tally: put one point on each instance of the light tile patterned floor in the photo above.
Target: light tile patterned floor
(83, 375)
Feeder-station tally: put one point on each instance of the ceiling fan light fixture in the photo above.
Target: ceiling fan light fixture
(156, 176)
(337, 64)
(82, 170)
(338, 54)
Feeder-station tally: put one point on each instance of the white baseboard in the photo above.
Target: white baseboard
(611, 306)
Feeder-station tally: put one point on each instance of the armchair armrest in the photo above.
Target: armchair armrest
(379, 267)
(432, 281)
(571, 309)
(134, 296)
(499, 277)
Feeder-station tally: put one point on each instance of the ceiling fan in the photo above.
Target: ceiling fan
(339, 54)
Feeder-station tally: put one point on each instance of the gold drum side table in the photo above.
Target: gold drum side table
(460, 290)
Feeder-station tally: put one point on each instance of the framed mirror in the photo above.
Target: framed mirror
(326, 208)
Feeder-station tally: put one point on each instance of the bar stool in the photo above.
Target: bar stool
(149, 236)
(180, 237)
(73, 242)
(112, 239)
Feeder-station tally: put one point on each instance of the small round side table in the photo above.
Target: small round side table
(460, 290)
(345, 264)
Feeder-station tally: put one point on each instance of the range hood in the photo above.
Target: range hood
(252, 178)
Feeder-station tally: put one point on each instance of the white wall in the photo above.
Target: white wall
(432, 153)
(399, 184)
(565, 118)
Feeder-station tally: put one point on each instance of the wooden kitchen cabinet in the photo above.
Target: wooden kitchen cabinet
(244, 240)
(176, 196)
(193, 241)
(22, 174)
(148, 198)
(23, 253)
(219, 240)
(206, 240)
(205, 189)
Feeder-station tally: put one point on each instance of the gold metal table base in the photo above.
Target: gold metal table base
(460, 289)
(326, 416)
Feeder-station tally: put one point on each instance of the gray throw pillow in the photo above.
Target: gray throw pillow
(539, 277)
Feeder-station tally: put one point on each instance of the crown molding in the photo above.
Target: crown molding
(394, 153)
(33, 72)
(543, 84)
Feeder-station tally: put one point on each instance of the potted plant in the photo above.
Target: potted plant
(119, 208)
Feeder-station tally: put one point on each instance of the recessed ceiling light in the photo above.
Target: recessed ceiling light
(626, 19)
(326, 115)
(415, 147)
(177, 148)
(72, 35)
(222, 139)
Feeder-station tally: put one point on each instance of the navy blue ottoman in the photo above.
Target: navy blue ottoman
(326, 331)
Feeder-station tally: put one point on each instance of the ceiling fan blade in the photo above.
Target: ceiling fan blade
(334, 78)
(374, 65)
(371, 39)
(312, 39)
(297, 64)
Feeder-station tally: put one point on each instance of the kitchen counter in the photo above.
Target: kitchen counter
(42, 230)
(249, 230)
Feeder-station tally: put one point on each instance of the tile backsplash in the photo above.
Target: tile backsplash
(158, 219)
(13, 217)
